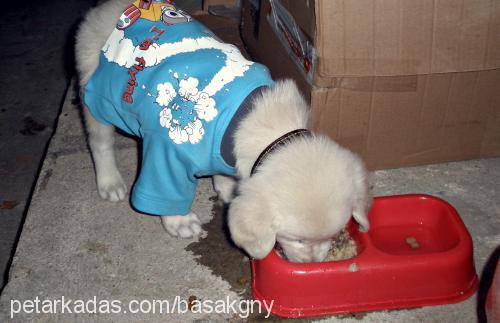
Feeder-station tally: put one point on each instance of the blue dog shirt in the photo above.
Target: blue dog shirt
(167, 79)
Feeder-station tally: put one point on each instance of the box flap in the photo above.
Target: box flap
(428, 119)
(405, 37)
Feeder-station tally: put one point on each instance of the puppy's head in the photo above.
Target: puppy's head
(301, 196)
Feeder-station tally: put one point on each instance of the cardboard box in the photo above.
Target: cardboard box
(400, 82)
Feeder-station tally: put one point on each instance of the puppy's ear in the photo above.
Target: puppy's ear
(251, 226)
(362, 202)
(360, 214)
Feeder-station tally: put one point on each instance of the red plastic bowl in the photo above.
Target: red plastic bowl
(388, 273)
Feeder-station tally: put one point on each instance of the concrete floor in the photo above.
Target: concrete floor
(37, 49)
(37, 44)
(77, 246)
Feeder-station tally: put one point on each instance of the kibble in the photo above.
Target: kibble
(191, 301)
(412, 242)
(342, 247)
(353, 267)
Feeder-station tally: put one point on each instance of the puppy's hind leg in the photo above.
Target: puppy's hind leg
(110, 184)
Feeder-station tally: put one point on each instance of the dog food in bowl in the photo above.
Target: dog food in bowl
(342, 247)
(417, 252)
(412, 242)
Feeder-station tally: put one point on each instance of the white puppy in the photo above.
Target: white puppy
(302, 193)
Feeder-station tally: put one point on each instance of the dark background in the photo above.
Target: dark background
(37, 55)
(37, 40)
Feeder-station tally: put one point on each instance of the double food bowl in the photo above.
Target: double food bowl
(418, 252)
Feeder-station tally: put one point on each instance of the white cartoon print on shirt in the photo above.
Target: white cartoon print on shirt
(121, 50)
(186, 107)
(188, 104)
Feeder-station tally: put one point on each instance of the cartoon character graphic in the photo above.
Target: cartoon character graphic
(128, 17)
(187, 102)
(144, 4)
(153, 10)
(185, 109)
(171, 16)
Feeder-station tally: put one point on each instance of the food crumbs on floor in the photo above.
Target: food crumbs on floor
(191, 300)
(242, 281)
(7, 205)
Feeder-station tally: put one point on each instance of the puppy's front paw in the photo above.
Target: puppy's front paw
(182, 226)
(225, 187)
(112, 187)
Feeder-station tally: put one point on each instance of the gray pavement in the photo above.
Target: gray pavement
(76, 246)
(37, 53)
(37, 65)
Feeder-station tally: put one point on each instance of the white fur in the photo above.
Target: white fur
(90, 38)
(301, 196)
(305, 192)
(277, 111)
(95, 29)
(225, 187)
(110, 184)
(182, 226)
